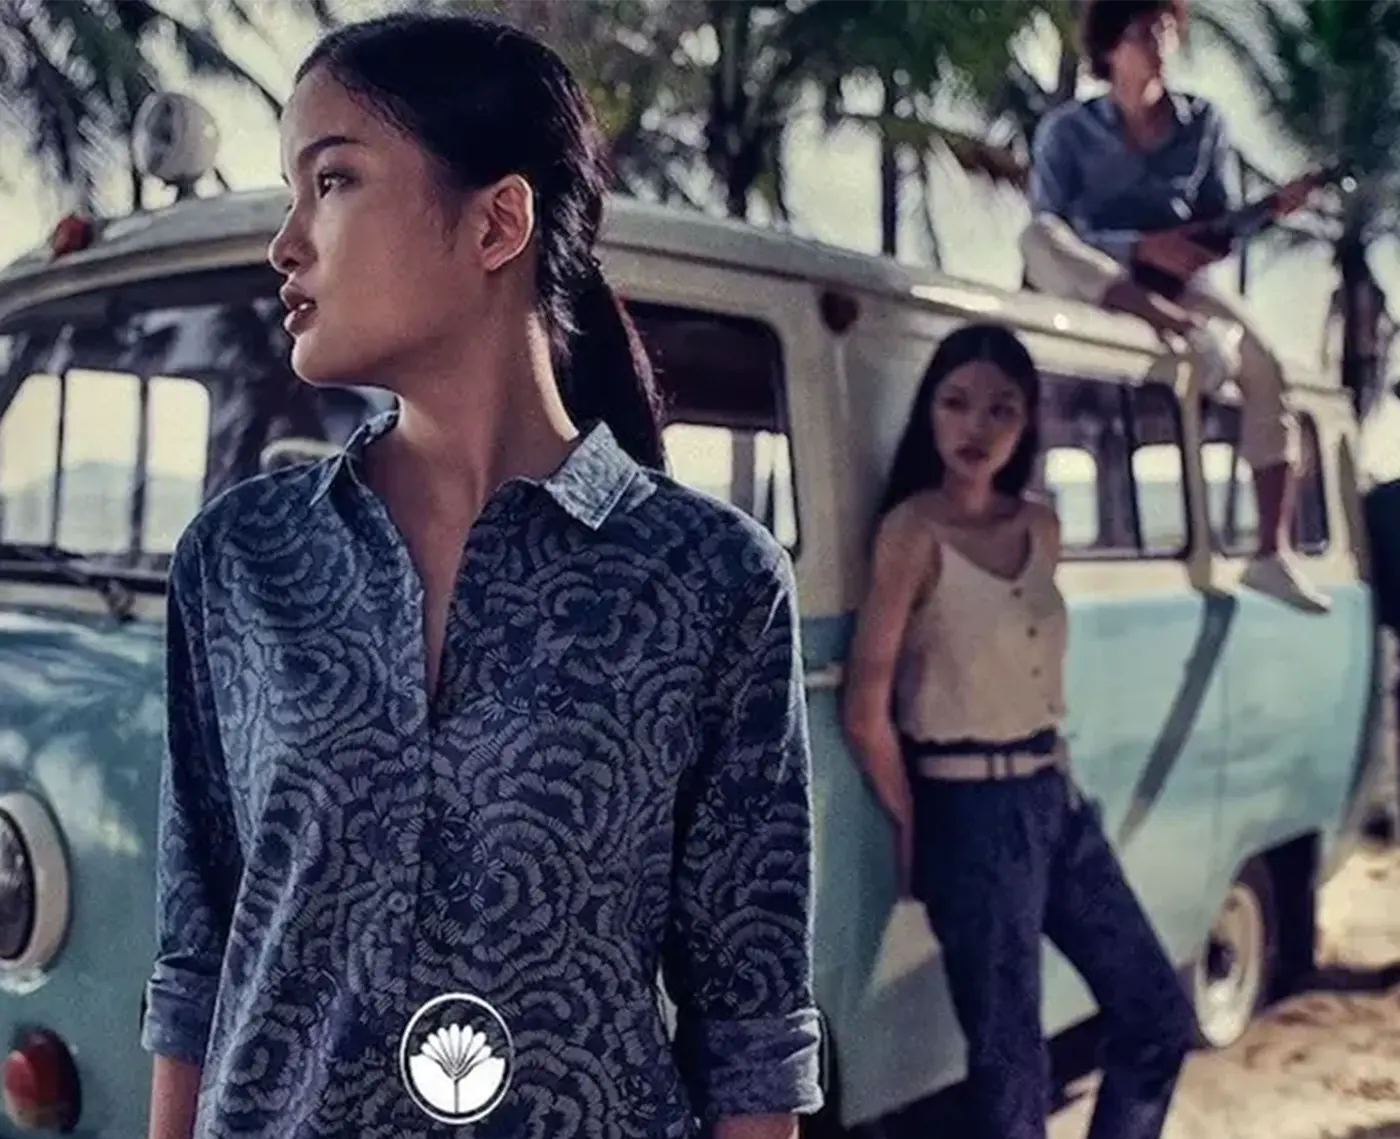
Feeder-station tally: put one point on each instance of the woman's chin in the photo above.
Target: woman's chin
(315, 367)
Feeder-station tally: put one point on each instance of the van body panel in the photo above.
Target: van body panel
(1208, 724)
(82, 726)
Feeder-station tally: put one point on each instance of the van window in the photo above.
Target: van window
(1112, 467)
(162, 394)
(1071, 481)
(1084, 470)
(107, 464)
(726, 415)
(134, 406)
(1159, 477)
(1231, 505)
(177, 455)
(29, 462)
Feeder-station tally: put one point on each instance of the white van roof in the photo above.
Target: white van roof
(233, 229)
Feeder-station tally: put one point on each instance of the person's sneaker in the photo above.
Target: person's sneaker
(1279, 576)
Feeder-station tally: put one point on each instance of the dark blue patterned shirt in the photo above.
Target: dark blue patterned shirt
(1085, 170)
(611, 780)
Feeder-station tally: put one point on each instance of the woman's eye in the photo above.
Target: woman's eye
(328, 180)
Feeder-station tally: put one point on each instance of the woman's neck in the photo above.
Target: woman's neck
(970, 501)
(465, 430)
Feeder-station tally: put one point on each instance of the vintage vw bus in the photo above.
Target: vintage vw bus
(1231, 742)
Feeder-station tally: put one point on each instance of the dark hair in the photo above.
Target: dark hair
(1103, 23)
(485, 100)
(917, 463)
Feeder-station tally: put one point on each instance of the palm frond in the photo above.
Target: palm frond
(1236, 26)
(972, 153)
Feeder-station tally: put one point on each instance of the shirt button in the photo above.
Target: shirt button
(1031, 631)
(1016, 592)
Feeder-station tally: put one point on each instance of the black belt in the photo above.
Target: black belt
(1043, 742)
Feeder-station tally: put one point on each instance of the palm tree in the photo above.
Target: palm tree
(769, 55)
(1016, 100)
(923, 58)
(689, 85)
(73, 74)
(630, 57)
(1327, 74)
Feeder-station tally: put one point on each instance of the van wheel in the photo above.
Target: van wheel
(1233, 975)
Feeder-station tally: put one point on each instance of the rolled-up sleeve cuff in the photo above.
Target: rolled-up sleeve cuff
(179, 1012)
(762, 1066)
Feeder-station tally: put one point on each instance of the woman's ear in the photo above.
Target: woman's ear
(502, 221)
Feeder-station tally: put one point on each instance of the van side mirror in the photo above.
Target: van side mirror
(292, 450)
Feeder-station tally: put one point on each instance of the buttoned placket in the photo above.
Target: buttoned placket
(431, 713)
(1037, 672)
(405, 782)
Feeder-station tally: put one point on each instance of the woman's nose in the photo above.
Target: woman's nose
(284, 250)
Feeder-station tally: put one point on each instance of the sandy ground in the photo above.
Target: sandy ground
(1323, 1064)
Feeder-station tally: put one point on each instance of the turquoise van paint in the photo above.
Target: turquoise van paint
(1204, 726)
(1203, 732)
(82, 709)
(1208, 727)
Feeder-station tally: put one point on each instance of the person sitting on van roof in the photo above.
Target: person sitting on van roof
(1118, 183)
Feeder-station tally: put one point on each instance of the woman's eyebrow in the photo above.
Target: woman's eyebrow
(317, 146)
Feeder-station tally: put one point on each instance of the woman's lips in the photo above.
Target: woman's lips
(300, 318)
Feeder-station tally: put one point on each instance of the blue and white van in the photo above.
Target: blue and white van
(1232, 743)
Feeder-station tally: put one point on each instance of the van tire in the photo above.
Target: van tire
(1232, 978)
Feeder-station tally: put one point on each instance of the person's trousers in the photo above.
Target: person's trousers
(998, 864)
(1057, 261)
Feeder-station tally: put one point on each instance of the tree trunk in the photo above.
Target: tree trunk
(889, 174)
(1357, 368)
(736, 198)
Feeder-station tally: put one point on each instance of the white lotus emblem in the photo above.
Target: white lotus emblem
(455, 1058)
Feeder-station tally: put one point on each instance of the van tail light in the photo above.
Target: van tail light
(72, 234)
(40, 1084)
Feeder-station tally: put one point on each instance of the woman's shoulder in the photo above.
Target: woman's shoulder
(721, 533)
(1039, 516)
(908, 539)
(262, 504)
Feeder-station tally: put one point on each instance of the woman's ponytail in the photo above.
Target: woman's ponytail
(608, 375)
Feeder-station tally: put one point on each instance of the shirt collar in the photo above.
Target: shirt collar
(588, 484)
(1108, 109)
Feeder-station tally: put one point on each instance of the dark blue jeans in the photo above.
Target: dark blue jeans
(998, 864)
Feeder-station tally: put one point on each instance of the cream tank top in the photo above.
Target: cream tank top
(983, 656)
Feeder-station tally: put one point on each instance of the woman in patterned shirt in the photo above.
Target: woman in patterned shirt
(481, 724)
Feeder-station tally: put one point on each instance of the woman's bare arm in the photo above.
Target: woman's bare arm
(905, 559)
(757, 1127)
(174, 1095)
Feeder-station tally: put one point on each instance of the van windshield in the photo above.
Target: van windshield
(121, 412)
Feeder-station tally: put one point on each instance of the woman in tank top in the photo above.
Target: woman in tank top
(954, 706)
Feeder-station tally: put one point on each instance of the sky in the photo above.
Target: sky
(832, 184)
